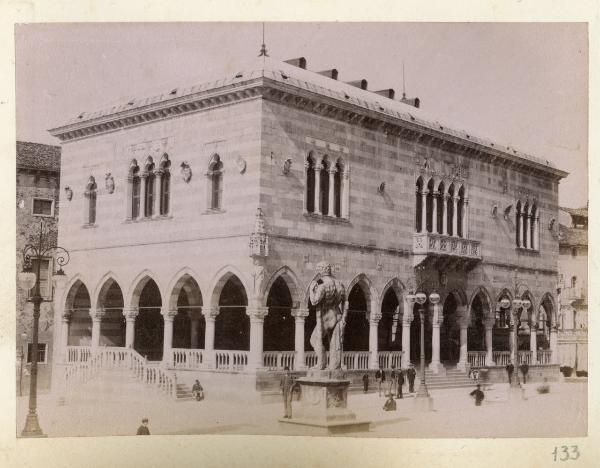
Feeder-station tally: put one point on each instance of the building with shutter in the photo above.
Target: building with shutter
(38, 180)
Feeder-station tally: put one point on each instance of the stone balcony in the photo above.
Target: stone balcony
(445, 251)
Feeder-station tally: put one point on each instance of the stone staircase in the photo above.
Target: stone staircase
(121, 385)
(446, 378)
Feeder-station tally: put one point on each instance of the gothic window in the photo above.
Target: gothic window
(310, 184)
(460, 212)
(440, 208)
(135, 184)
(518, 223)
(429, 206)
(419, 205)
(337, 189)
(165, 185)
(324, 195)
(149, 194)
(573, 281)
(533, 243)
(90, 201)
(215, 180)
(525, 220)
(450, 210)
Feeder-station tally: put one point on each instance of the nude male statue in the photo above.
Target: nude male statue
(329, 298)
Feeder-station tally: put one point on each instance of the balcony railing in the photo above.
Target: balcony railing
(428, 243)
(502, 358)
(573, 294)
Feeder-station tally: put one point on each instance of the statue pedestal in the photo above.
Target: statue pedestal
(324, 406)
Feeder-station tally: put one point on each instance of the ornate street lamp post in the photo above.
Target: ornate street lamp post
(423, 394)
(23, 355)
(38, 250)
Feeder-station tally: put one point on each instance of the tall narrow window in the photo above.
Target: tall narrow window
(429, 206)
(149, 195)
(215, 179)
(165, 193)
(518, 223)
(90, 201)
(440, 208)
(533, 228)
(460, 212)
(525, 227)
(310, 184)
(135, 195)
(419, 205)
(337, 189)
(450, 210)
(164, 178)
(324, 196)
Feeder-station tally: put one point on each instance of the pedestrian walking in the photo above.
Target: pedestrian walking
(286, 384)
(143, 429)
(524, 371)
(365, 379)
(400, 383)
(509, 370)
(380, 377)
(198, 391)
(478, 395)
(393, 381)
(390, 404)
(411, 373)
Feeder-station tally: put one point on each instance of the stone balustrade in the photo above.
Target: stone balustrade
(278, 360)
(389, 359)
(428, 243)
(231, 360)
(183, 358)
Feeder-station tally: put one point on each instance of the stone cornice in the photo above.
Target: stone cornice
(404, 126)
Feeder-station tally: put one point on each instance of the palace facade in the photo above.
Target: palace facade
(197, 218)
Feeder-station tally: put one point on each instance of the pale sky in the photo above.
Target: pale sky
(520, 84)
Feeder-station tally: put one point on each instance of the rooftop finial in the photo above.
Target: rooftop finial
(263, 48)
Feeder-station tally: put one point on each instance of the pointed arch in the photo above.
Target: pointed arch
(132, 297)
(419, 206)
(441, 194)
(67, 294)
(486, 299)
(214, 185)
(102, 286)
(363, 281)
(459, 295)
(397, 286)
(324, 185)
(429, 214)
(184, 280)
(292, 282)
(220, 278)
(309, 195)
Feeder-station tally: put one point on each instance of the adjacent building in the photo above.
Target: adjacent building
(196, 220)
(38, 181)
(573, 270)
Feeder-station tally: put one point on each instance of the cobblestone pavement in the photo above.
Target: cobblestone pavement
(562, 412)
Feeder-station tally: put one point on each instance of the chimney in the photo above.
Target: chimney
(299, 62)
(362, 84)
(333, 73)
(415, 102)
(388, 93)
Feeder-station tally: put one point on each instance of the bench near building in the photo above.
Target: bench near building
(196, 218)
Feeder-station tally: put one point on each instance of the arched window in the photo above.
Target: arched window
(440, 208)
(310, 184)
(134, 186)
(574, 281)
(324, 195)
(526, 223)
(215, 182)
(149, 188)
(460, 212)
(419, 205)
(90, 201)
(165, 185)
(450, 210)
(518, 223)
(533, 228)
(429, 206)
(337, 188)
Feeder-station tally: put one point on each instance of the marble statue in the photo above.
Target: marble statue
(329, 298)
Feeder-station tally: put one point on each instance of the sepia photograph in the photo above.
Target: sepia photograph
(367, 230)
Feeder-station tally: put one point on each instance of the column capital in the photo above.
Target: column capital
(332, 170)
(210, 313)
(168, 315)
(407, 318)
(97, 314)
(489, 322)
(131, 314)
(257, 313)
(375, 317)
(437, 321)
(65, 316)
(195, 314)
(300, 313)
